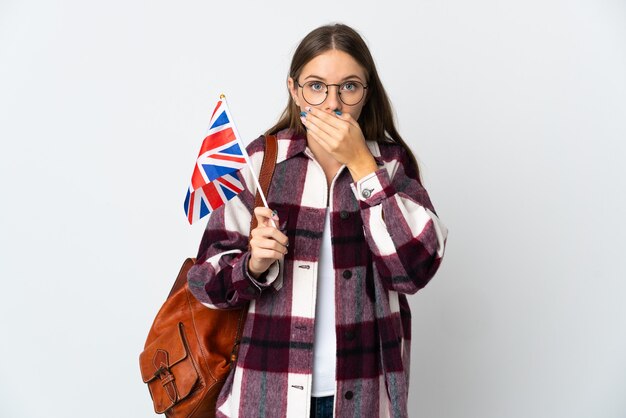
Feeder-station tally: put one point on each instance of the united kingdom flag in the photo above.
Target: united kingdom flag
(214, 180)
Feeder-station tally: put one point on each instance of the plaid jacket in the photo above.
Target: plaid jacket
(377, 261)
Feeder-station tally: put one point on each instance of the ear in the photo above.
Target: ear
(293, 90)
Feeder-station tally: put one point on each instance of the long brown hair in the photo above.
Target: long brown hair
(376, 119)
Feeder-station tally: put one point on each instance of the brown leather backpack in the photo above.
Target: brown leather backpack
(190, 348)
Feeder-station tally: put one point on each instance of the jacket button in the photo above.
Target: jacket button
(348, 395)
(366, 193)
(344, 214)
(347, 274)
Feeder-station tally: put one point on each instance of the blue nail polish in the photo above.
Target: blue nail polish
(338, 112)
(303, 114)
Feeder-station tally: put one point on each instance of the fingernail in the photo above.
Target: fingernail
(303, 114)
(303, 119)
(338, 112)
(274, 215)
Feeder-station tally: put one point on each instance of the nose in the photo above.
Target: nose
(332, 101)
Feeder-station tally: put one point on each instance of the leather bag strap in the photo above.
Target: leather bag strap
(267, 172)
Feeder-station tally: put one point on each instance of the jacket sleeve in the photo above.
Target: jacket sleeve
(401, 227)
(219, 279)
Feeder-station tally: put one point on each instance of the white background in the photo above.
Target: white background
(516, 110)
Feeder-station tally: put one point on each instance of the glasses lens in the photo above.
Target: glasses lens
(314, 92)
(351, 92)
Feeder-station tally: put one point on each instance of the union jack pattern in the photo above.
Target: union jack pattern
(214, 180)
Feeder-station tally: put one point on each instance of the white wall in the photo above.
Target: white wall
(517, 111)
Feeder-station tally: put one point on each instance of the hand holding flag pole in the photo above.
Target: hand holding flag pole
(222, 154)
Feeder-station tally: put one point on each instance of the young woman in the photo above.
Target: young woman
(328, 328)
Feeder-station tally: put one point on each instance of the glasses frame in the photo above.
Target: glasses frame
(338, 91)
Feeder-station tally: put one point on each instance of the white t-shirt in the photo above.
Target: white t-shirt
(325, 346)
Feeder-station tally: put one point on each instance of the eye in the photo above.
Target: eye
(349, 86)
(316, 86)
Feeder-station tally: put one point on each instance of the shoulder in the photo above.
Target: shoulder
(256, 146)
(256, 153)
(286, 139)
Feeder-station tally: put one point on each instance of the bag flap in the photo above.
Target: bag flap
(168, 369)
(167, 350)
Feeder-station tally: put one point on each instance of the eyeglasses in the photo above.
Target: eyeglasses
(315, 92)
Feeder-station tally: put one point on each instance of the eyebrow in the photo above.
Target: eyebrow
(352, 76)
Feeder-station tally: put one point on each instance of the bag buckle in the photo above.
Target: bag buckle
(161, 363)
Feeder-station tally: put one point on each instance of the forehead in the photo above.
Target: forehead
(333, 65)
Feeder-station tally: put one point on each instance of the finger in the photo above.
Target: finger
(268, 244)
(265, 215)
(328, 117)
(279, 237)
(263, 253)
(270, 233)
(326, 120)
(321, 121)
(260, 242)
(320, 135)
(315, 135)
(348, 118)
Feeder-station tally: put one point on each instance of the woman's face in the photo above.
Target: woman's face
(330, 67)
